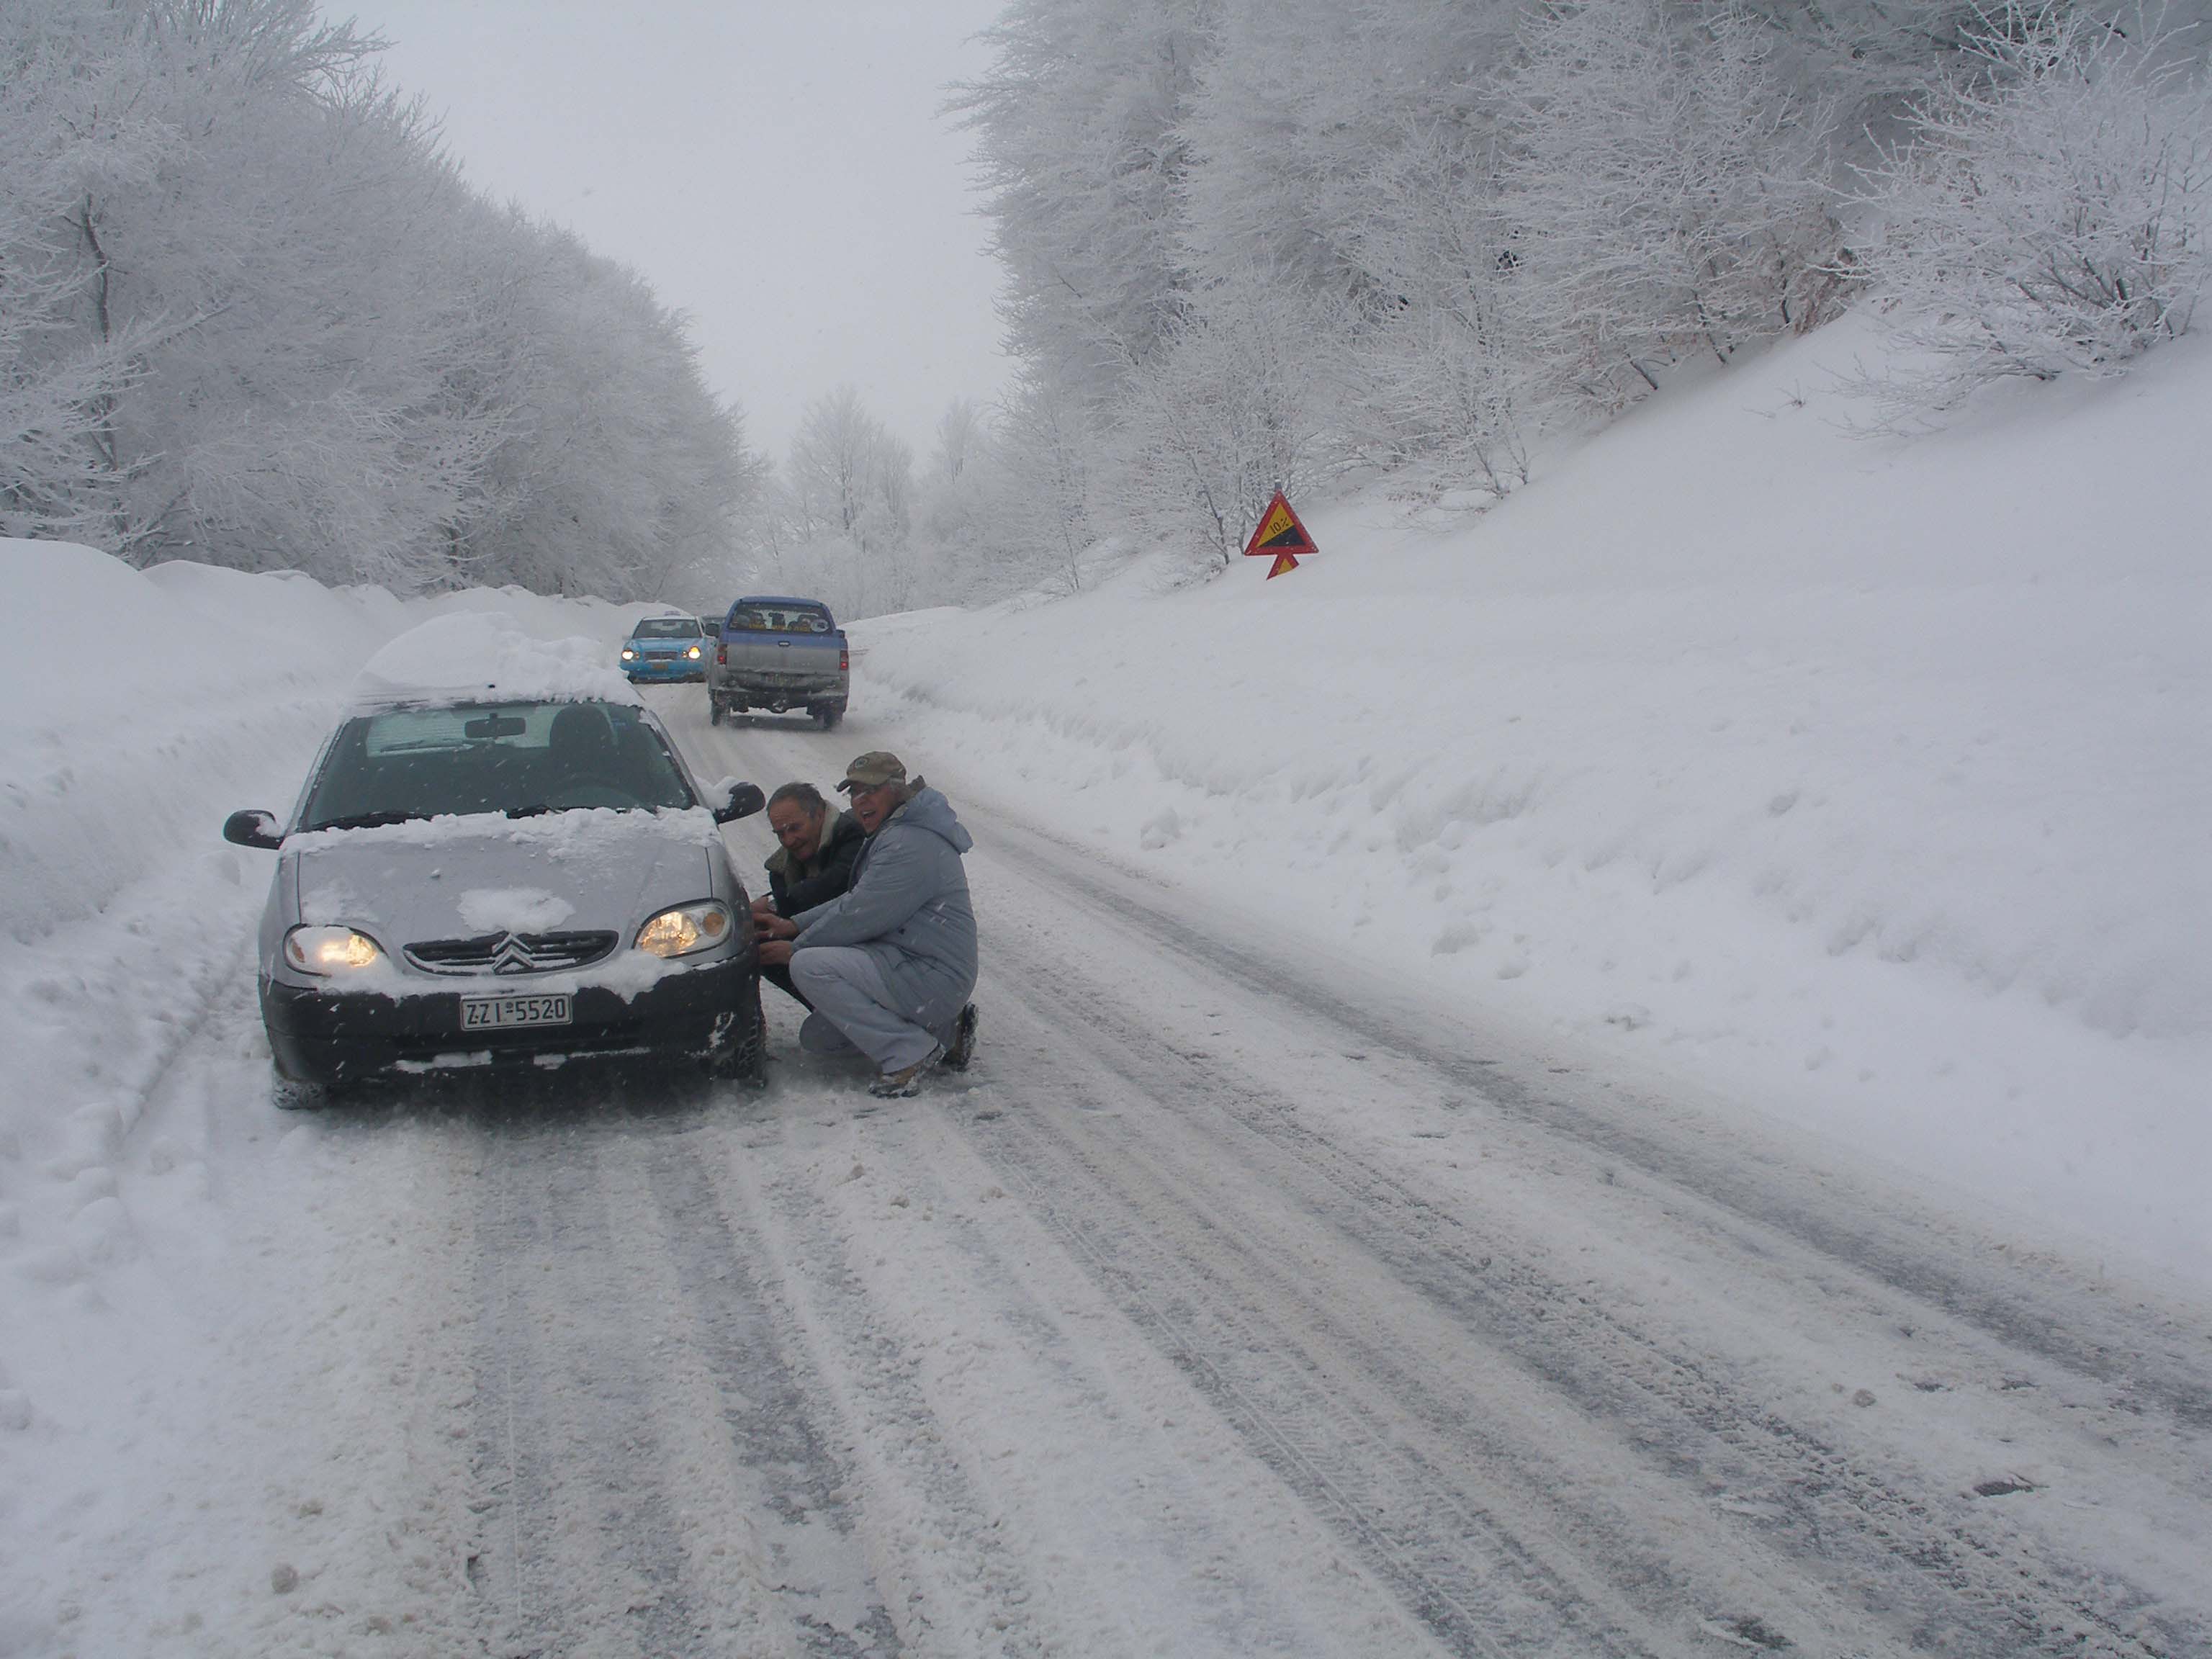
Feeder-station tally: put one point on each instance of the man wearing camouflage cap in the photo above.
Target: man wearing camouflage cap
(890, 963)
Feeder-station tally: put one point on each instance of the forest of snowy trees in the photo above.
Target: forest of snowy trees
(1253, 243)
(249, 313)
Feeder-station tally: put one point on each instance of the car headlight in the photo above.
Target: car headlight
(693, 653)
(629, 655)
(326, 951)
(686, 928)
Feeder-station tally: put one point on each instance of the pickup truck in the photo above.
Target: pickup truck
(778, 654)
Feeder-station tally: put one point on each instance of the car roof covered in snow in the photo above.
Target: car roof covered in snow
(485, 656)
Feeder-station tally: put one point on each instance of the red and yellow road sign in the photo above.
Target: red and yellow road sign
(1281, 535)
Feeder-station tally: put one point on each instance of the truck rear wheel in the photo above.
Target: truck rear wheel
(829, 713)
(714, 709)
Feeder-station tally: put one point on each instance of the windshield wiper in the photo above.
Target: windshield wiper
(366, 820)
(542, 808)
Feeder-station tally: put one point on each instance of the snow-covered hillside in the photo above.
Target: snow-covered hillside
(1864, 782)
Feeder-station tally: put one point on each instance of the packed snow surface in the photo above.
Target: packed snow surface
(1846, 795)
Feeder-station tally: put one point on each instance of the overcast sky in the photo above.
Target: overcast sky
(776, 168)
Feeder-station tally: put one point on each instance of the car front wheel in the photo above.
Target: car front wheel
(743, 1056)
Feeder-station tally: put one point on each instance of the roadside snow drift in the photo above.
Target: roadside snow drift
(1863, 781)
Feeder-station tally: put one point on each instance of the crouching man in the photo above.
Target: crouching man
(888, 965)
(812, 865)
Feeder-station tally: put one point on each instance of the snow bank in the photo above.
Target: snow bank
(471, 651)
(1866, 781)
(137, 710)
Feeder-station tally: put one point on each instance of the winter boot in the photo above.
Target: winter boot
(898, 1085)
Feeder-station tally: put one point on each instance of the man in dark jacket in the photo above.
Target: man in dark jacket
(813, 866)
(889, 966)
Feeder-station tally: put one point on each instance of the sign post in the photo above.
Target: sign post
(1281, 535)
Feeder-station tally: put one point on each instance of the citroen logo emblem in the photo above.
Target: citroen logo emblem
(512, 957)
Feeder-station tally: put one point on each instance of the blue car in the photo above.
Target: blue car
(664, 649)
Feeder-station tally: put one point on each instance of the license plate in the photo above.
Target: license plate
(487, 1013)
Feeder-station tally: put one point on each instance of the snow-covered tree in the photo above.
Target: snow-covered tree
(1042, 519)
(2051, 210)
(1238, 405)
(1668, 194)
(850, 502)
(1080, 156)
(1446, 378)
(1301, 102)
(250, 315)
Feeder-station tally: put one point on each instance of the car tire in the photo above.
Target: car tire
(746, 1061)
(829, 714)
(714, 710)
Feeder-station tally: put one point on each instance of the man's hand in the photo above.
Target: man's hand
(764, 905)
(776, 926)
(775, 952)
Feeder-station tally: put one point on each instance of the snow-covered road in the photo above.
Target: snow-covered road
(1234, 1302)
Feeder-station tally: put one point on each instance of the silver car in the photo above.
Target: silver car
(479, 880)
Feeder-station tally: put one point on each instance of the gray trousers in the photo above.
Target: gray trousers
(855, 1010)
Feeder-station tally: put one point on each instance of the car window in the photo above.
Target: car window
(780, 619)
(667, 627)
(514, 757)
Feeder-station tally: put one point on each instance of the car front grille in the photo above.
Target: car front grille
(511, 953)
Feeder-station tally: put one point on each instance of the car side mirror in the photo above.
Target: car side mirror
(254, 830)
(741, 800)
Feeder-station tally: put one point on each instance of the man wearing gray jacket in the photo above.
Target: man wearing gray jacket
(890, 963)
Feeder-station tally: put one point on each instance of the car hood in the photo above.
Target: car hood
(464, 877)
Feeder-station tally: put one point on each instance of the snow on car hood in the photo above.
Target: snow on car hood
(475, 652)
(466, 876)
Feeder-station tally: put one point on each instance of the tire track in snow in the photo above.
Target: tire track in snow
(1965, 1581)
(949, 1584)
(1272, 1333)
(582, 1552)
(655, 1480)
(1935, 1566)
(762, 1396)
(2160, 1360)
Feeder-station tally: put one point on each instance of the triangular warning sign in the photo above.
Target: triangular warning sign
(1281, 535)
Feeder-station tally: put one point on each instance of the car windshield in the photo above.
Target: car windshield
(667, 627)
(518, 758)
(780, 619)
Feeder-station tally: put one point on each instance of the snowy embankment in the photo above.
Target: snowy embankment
(1862, 783)
(137, 710)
